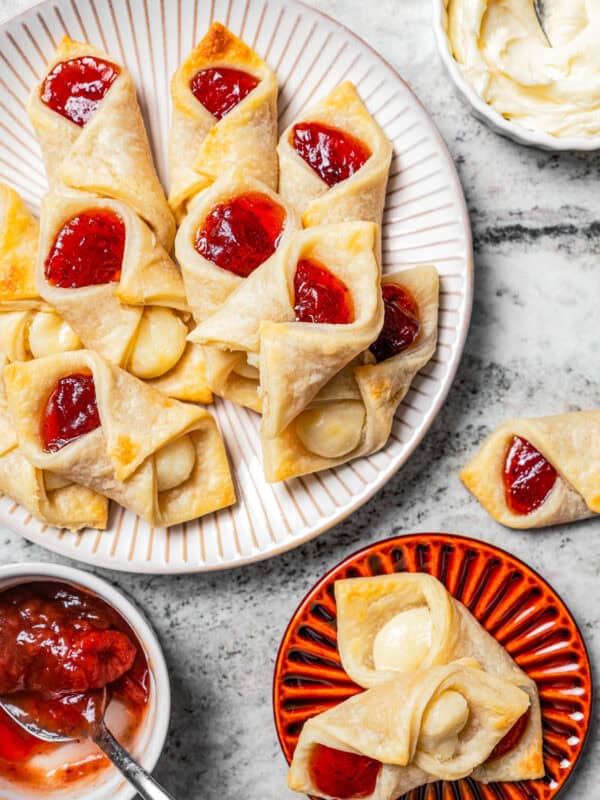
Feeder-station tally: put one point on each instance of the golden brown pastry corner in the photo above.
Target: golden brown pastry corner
(218, 44)
(18, 247)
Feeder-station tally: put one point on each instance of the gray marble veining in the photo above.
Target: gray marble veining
(532, 349)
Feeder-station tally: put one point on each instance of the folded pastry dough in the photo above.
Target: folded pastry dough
(208, 285)
(202, 147)
(359, 197)
(440, 723)
(257, 324)
(109, 155)
(48, 497)
(404, 623)
(352, 415)
(569, 443)
(29, 327)
(162, 459)
(139, 322)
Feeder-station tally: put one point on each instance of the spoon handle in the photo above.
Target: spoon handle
(146, 786)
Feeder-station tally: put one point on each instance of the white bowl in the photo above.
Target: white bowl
(485, 112)
(108, 784)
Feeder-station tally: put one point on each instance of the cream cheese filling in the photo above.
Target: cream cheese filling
(174, 463)
(444, 719)
(332, 430)
(402, 644)
(49, 333)
(508, 61)
(159, 344)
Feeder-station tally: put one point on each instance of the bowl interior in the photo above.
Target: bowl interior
(486, 113)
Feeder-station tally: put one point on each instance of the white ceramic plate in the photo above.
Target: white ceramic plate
(426, 222)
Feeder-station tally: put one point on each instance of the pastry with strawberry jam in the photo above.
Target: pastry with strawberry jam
(61, 648)
(92, 422)
(443, 699)
(531, 473)
(299, 319)
(30, 328)
(334, 161)
(352, 415)
(441, 723)
(235, 229)
(224, 117)
(91, 131)
(105, 272)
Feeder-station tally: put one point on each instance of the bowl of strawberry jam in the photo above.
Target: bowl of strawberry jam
(65, 638)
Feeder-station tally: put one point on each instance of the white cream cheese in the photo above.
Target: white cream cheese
(506, 58)
(443, 721)
(402, 644)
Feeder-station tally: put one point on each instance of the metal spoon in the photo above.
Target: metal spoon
(538, 6)
(96, 730)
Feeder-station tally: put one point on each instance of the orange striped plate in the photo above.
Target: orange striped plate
(510, 600)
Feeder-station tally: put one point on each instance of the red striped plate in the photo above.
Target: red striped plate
(509, 599)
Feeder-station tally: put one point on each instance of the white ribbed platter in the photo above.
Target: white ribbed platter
(426, 222)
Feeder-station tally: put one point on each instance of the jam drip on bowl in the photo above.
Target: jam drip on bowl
(59, 646)
(242, 233)
(512, 738)
(342, 775)
(219, 89)
(333, 154)
(88, 250)
(70, 412)
(528, 477)
(401, 322)
(75, 88)
(320, 296)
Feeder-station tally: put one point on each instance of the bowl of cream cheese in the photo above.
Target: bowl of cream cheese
(538, 87)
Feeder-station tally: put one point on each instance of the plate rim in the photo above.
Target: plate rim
(460, 538)
(385, 475)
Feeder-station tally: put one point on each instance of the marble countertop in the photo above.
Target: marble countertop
(532, 349)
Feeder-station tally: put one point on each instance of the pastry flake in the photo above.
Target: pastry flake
(361, 196)
(119, 291)
(258, 325)
(391, 625)
(161, 458)
(109, 154)
(203, 147)
(352, 415)
(531, 473)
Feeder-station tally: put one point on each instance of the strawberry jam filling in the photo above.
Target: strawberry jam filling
(342, 775)
(331, 153)
(58, 647)
(88, 250)
(70, 412)
(75, 88)
(15, 743)
(528, 477)
(320, 296)
(401, 322)
(220, 89)
(242, 233)
(512, 738)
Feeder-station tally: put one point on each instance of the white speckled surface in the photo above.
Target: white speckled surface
(533, 349)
